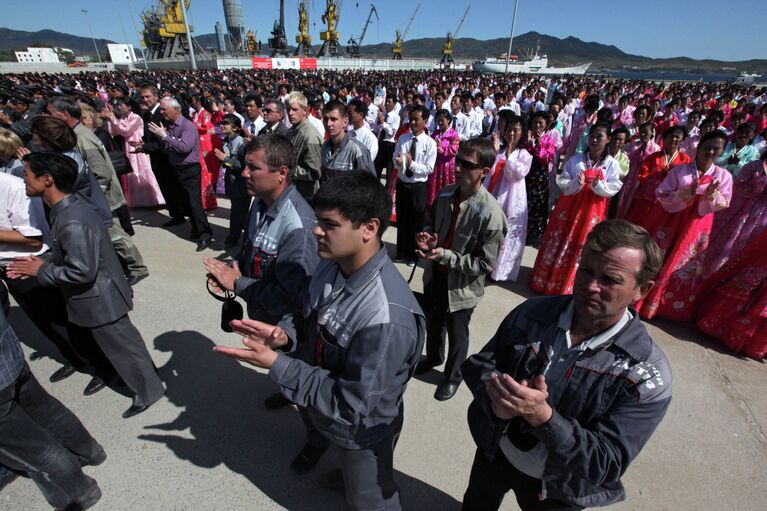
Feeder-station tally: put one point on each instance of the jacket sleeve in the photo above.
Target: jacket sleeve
(363, 162)
(601, 451)
(81, 257)
(374, 356)
(293, 268)
(233, 162)
(482, 259)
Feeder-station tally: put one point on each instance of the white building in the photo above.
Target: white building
(47, 55)
(121, 53)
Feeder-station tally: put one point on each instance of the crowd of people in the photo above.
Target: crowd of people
(643, 199)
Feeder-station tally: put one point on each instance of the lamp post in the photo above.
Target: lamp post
(511, 36)
(91, 31)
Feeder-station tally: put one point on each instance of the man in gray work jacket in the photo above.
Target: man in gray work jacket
(359, 336)
(570, 388)
(340, 152)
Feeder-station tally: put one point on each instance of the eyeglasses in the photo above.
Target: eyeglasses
(266, 111)
(468, 165)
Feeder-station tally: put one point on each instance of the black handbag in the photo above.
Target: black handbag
(120, 162)
(230, 310)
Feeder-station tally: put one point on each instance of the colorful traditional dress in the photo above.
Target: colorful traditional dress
(733, 159)
(506, 183)
(140, 186)
(637, 153)
(745, 219)
(651, 174)
(204, 123)
(682, 229)
(577, 211)
(538, 183)
(733, 301)
(444, 168)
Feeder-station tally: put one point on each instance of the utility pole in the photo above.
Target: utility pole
(188, 35)
(98, 54)
(511, 36)
(141, 46)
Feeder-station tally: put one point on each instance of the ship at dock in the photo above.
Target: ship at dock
(537, 65)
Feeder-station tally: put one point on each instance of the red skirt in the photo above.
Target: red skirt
(733, 301)
(557, 261)
(682, 237)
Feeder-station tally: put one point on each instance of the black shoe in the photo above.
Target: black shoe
(424, 365)
(62, 373)
(94, 386)
(134, 410)
(95, 460)
(203, 244)
(446, 391)
(174, 221)
(135, 279)
(307, 459)
(276, 401)
(332, 480)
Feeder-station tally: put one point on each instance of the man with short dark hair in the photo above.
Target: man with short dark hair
(340, 152)
(84, 267)
(254, 123)
(359, 339)
(357, 110)
(461, 240)
(273, 113)
(570, 388)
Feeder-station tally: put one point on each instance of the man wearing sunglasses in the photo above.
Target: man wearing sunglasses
(461, 241)
(273, 113)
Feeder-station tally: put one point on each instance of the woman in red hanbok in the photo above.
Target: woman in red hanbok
(689, 196)
(653, 171)
(202, 119)
(587, 182)
(733, 301)
(640, 147)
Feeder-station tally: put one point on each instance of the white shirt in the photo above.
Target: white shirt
(255, 126)
(390, 126)
(423, 163)
(461, 124)
(21, 214)
(367, 138)
(318, 125)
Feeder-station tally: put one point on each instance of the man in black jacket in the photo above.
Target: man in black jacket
(570, 388)
(166, 177)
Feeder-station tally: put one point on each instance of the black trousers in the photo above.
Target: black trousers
(40, 436)
(384, 160)
(411, 204)
(46, 308)
(190, 177)
(491, 480)
(238, 217)
(123, 215)
(169, 185)
(441, 322)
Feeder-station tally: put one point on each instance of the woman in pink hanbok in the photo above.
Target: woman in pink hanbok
(506, 182)
(690, 195)
(204, 122)
(637, 151)
(447, 140)
(140, 186)
(744, 220)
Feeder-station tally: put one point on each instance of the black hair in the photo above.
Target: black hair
(62, 169)
(336, 105)
(253, 97)
(681, 129)
(443, 113)
(619, 130)
(359, 106)
(420, 108)
(712, 135)
(591, 103)
(278, 151)
(605, 115)
(233, 121)
(358, 196)
(482, 149)
(517, 119)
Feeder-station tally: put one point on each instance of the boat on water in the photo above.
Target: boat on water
(747, 78)
(537, 65)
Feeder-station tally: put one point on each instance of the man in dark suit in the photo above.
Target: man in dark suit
(170, 187)
(273, 113)
(83, 265)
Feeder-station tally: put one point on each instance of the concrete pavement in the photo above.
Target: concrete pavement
(212, 445)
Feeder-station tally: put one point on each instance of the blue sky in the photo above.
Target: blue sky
(731, 30)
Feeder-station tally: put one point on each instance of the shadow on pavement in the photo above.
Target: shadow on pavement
(152, 218)
(520, 287)
(222, 403)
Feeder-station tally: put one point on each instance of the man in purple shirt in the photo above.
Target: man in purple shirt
(181, 141)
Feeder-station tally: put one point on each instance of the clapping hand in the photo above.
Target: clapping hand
(260, 340)
(510, 398)
(221, 155)
(138, 146)
(712, 190)
(427, 246)
(157, 129)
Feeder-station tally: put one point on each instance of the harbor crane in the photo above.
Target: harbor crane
(330, 37)
(400, 36)
(447, 48)
(303, 39)
(279, 40)
(353, 46)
